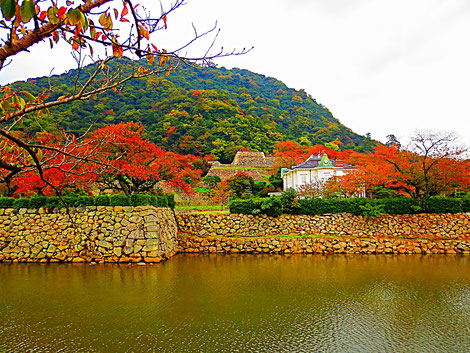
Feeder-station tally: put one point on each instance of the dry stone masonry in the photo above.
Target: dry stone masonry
(148, 234)
(91, 234)
(320, 245)
(430, 226)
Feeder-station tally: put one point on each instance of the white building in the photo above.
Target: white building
(315, 169)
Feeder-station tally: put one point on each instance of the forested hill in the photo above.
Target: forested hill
(206, 110)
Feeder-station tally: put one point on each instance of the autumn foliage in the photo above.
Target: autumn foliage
(116, 157)
(289, 153)
(412, 174)
(433, 164)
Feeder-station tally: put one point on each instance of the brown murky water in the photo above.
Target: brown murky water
(240, 303)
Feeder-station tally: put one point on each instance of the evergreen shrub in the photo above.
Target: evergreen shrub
(289, 202)
(356, 206)
(118, 200)
(372, 210)
(85, 201)
(466, 204)
(55, 202)
(324, 206)
(243, 206)
(400, 205)
(141, 200)
(102, 200)
(171, 200)
(71, 201)
(271, 206)
(6, 202)
(37, 201)
(21, 203)
(159, 201)
(443, 205)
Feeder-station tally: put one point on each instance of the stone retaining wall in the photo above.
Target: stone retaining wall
(456, 226)
(320, 245)
(149, 234)
(91, 234)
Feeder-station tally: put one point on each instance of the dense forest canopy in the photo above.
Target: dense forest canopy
(201, 111)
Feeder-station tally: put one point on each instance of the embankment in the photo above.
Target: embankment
(149, 234)
(91, 234)
(325, 234)
(320, 245)
(453, 226)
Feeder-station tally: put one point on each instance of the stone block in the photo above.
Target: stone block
(128, 250)
(151, 245)
(151, 235)
(117, 251)
(105, 244)
(36, 249)
(135, 219)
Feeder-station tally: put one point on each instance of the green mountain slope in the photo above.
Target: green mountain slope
(202, 111)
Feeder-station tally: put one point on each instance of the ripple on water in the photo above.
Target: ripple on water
(239, 304)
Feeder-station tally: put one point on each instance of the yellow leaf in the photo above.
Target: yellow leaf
(150, 59)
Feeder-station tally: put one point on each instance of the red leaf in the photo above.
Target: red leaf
(124, 11)
(61, 12)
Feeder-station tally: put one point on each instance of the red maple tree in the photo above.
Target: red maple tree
(136, 165)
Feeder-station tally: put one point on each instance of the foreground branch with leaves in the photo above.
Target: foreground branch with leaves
(115, 28)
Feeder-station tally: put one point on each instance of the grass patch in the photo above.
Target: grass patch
(200, 207)
(213, 212)
(203, 209)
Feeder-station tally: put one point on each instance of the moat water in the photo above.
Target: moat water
(240, 303)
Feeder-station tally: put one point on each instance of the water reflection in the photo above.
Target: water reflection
(240, 303)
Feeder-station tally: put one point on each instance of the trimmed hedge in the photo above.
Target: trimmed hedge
(466, 204)
(171, 200)
(356, 206)
(141, 200)
(37, 201)
(444, 205)
(271, 206)
(83, 201)
(159, 201)
(323, 206)
(6, 202)
(400, 205)
(21, 203)
(243, 206)
(55, 202)
(289, 203)
(102, 200)
(119, 200)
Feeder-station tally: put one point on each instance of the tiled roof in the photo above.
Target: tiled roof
(314, 161)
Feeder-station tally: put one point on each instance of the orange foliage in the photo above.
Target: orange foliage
(410, 173)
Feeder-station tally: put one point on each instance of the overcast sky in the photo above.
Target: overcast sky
(380, 66)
